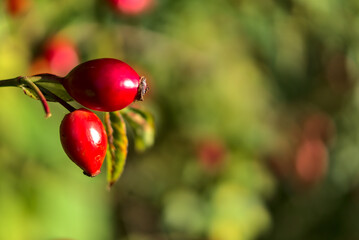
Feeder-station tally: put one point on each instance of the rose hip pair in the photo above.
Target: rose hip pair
(103, 85)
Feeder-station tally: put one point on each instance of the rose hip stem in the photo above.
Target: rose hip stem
(20, 82)
(58, 99)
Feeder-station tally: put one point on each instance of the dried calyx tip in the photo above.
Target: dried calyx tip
(85, 173)
(109, 186)
(89, 175)
(142, 89)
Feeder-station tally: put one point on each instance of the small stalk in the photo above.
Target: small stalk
(39, 94)
(58, 99)
(29, 82)
(14, 82)
(19, 82)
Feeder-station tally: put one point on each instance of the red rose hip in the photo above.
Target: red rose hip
(105, 84)
(84, 139)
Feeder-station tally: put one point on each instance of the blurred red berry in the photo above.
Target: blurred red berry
(61, 54)
(211, 153)
(311, 161)
(132, 7)
(17, 7)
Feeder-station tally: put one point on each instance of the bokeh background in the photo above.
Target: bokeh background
(256, 110)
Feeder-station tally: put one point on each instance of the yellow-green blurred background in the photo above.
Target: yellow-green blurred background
(256, 110)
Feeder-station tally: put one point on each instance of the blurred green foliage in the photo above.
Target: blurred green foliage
(255, 106)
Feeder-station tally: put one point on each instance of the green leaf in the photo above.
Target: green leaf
(51, 83)
(57, 89)
(143, 127)
(117, 146)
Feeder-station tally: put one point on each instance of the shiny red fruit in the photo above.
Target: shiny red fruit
(132, 7)
(84, 140)
(105, 84)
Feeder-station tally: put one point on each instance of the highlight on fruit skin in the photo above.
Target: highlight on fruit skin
(84, 139)
(105, 84)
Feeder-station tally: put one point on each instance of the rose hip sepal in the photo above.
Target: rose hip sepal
(105, 84)
(84, 139)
